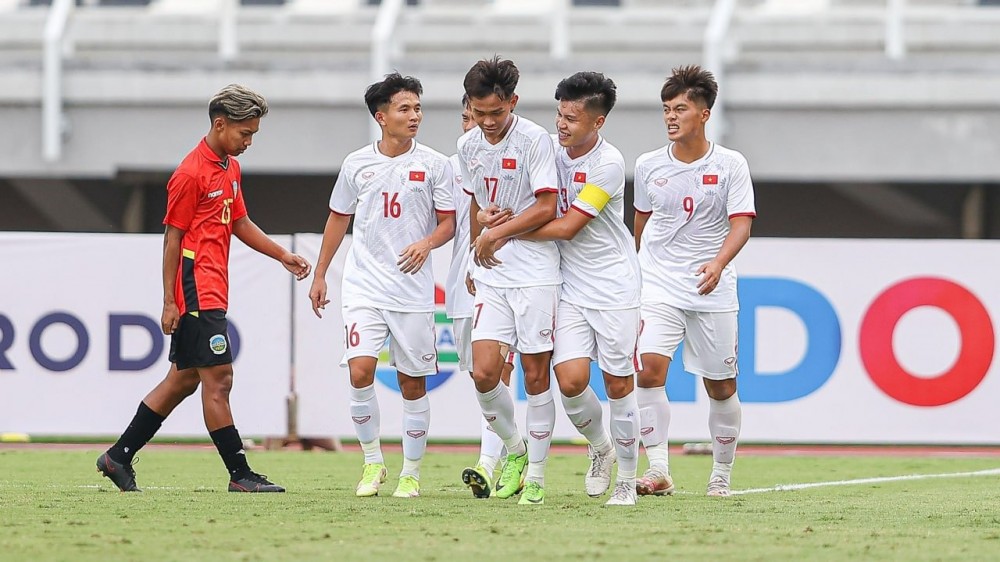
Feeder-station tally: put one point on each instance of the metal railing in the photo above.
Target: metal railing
(713, 59)
(384, 45)
(895, 39)
(55, 46)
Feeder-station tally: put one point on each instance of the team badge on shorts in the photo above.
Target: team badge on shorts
(218, 344)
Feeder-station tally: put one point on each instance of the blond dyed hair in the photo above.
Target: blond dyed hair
(237, 103)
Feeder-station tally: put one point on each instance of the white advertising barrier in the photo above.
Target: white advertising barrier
(840, 341)
(323, 385)
(866, 341)
(80, 342)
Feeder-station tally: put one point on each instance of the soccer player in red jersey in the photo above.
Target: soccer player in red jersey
(204, 209)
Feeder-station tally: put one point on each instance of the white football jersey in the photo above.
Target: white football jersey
(510, 174)
(395, 201)
(691, 205)
(599, 266)
(458, 301)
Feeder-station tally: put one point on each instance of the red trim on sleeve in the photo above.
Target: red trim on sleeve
(445, 212)
(581, 211)
(641, 212)
(751, 215)
(336, 212)
(467, 192)
(546, 190)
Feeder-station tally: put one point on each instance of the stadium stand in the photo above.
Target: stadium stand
(802, 79)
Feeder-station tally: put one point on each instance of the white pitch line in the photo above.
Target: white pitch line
(793, 487)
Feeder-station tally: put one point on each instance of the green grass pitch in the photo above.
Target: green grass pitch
(54, 506)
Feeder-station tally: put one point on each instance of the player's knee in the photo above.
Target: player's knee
(653, 373)
(618, 387)
(217, 388)
(720, 390)
(483, 376)
(572, 386)
(412, 388)
(187, 386)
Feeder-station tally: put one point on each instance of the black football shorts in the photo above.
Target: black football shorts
(201, 340)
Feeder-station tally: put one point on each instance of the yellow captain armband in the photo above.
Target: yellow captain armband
(594, 196)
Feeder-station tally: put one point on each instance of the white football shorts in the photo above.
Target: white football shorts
(521, 317)
(412, 338)
(606, 336)
(709, 338)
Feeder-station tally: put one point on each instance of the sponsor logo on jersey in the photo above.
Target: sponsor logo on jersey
(367, 175)
(458, 179)
(508, 164)
(417, 175)
(660, 182)
(710, 179)
(218, 344)
(236, 188)
(580, 177)
(215, 194)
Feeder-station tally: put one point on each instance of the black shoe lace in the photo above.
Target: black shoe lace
(258, 478)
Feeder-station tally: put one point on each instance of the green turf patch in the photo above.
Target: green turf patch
(54, 506)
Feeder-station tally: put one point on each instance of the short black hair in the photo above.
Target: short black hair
(597, 92)
(379, 94)
(493, 76)
(698, 83)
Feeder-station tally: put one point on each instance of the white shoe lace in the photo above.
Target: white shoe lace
(623, 494)
(600, 464)
(718, 486)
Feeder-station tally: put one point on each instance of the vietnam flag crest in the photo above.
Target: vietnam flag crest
(710, 179)
(580, 177)
(508, 164)
(416, 175)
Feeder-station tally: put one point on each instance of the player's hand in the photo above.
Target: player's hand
(470, 285)
(413, 257)
(710, 273)
(493, 216)
(317, 296)
(483, 250)
(170, 318)
(296, 265)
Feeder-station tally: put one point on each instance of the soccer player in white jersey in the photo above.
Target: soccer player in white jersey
(694, 206)
(509, 161)
(598, 314)
(400, 194)
(458, 306)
